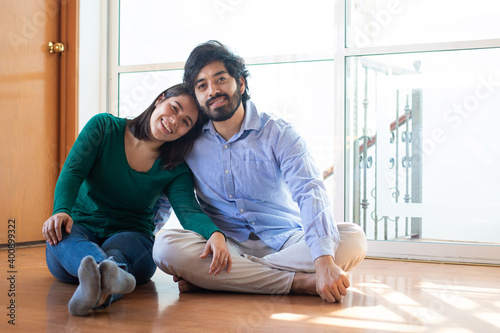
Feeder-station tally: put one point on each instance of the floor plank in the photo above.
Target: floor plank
(385, 296)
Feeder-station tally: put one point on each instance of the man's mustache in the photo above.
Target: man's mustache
(215, 97)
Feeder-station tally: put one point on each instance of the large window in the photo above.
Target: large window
(398, 99)
(421, 117)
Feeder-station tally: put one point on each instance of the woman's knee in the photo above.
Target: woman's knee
(56, 268)
(144, 272)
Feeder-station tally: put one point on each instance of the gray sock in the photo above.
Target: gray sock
(88, 292)
(115, 280)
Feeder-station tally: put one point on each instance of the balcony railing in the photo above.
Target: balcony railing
(405, 163)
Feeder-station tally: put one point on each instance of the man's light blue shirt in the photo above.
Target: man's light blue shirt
(263, 180)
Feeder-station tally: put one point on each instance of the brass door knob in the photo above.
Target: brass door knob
(55, 47)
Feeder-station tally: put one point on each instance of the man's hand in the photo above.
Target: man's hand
(331, 281)
(221, 258)
(52, 227)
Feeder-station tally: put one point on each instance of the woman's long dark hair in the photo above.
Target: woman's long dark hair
(175, 152)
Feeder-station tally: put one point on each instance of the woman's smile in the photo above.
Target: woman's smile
(166, 127)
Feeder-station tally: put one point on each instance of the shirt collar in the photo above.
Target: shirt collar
(252, 119)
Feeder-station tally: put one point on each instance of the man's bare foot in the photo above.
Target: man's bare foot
(304, 283)
(185, 286)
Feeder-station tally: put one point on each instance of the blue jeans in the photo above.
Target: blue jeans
(131, 250)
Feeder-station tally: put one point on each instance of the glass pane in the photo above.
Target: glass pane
(422, 145)
(166, 31)
(397, 22)
(138, 90)
(300, 93)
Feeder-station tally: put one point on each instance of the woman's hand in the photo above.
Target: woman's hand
(221, 259)
(52, 228)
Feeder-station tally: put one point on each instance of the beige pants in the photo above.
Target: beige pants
(256, 267)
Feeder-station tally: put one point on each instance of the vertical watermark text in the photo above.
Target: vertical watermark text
(11, 272)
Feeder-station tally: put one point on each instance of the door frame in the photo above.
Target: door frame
(68, 112)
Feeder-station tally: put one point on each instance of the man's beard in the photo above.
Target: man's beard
(223, 112)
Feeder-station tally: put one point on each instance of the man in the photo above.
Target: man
(255, 178)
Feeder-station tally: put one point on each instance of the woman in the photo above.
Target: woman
(101, 230)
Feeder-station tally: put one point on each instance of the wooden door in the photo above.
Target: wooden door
(30, 115)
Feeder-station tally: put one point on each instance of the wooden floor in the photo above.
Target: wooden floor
(386, 296)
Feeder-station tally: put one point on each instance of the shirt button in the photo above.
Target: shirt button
(253, 223)
(241, 210)
(226, 171)
(225, 146)
(230, 196)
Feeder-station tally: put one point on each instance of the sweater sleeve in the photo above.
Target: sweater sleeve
(180, 193)
(78, 164)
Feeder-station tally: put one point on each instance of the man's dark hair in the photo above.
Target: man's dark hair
(208, 52)
(174, 152)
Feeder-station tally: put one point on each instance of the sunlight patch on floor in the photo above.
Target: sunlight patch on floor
(383, 326)
(398, 298)
(453, 287)
(378, 312)
(491, 318)
(289, 316)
